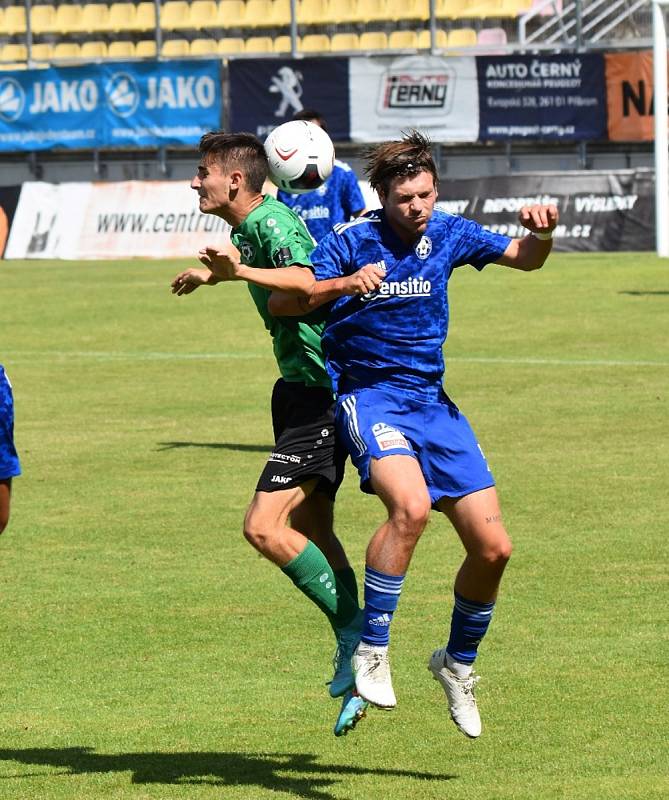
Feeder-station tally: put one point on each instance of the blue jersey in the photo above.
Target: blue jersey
(9, 460)
(394, 336)
(337, 200)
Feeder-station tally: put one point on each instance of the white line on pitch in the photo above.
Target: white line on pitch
(156, 356)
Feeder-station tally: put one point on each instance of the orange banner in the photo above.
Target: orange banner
(629, 96)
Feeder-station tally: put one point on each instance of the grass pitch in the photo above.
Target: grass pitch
(147, 652)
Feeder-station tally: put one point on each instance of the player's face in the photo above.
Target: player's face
(213, 187)
(409, 205)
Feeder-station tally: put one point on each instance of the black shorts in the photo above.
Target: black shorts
(305, 443)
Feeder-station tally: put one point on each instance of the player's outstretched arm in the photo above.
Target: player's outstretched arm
(366, 279)
(189, 280)
(531, 251)
(294, 278)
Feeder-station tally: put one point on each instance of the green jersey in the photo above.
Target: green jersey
(271, 237)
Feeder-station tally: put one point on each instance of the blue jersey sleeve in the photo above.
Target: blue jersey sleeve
(331, 257)
(473, 244)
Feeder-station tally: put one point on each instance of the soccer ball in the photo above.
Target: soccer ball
(300, 155)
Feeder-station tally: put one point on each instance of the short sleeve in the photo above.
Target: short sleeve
(331, 257)
(473, 244)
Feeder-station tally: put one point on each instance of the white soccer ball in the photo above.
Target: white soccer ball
(301, 156)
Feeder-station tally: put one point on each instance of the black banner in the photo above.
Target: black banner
(599, 211)
(9, 198)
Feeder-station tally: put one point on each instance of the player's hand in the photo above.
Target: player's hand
(538, 218)
(188, 281)
(366, 279)
(223, 265)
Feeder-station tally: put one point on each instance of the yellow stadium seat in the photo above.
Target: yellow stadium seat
(204, 47)
(145, 16)
(146, 48)
(344, 41)
(403, 40)
(441, 39)
(94, 49)
(373, 40)
(462, 37)
(175, 48)
(94, 18)
(229, 45)
(283, 44)
(372, 11)
(344, 11)
(452, 9)
(258, 13)
(315, 43)
(121, 17)
(258, 44)
(280, 13)
(14, 52)
(314, 12)
(68, 18)
(42, 19)
(202, 14)
(66, 50)
(231, 14)
(41, 52)
(515, 8)
(122, 49)
(175, 15)
(14, 20)
(486, 9)
(408, 9)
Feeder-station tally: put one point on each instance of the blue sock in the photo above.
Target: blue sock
(382, 594)
(468, 626)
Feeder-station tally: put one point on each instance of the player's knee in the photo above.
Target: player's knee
(497, 554)
(412, 516)
(257, 530)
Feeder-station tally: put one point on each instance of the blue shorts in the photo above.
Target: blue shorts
(374, 423)
(9, 460)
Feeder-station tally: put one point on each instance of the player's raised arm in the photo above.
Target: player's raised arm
(365, 280)
(531, 251)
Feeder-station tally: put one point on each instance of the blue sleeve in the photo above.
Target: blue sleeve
(331, 258)
(473, 244)
(352, 200)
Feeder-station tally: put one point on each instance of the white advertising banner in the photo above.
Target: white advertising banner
(126, 219)
(437, 96)
(47, 220)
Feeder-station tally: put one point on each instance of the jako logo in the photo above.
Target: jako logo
(280, 479)
(12, 99)
(60, 97)
(122, 94)
(184, 92)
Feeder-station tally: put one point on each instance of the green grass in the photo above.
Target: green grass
(147, 652)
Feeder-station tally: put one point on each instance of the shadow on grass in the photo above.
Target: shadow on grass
(241, 448)
(272, 771)
(643, 294)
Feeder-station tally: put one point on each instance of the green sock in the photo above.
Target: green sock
(346, 577)
(313, 576)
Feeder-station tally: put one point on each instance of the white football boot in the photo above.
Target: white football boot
(372, 675)
(460, 694)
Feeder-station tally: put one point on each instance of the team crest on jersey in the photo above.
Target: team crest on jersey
(247, 251)
(389, 438)
(424, 248)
